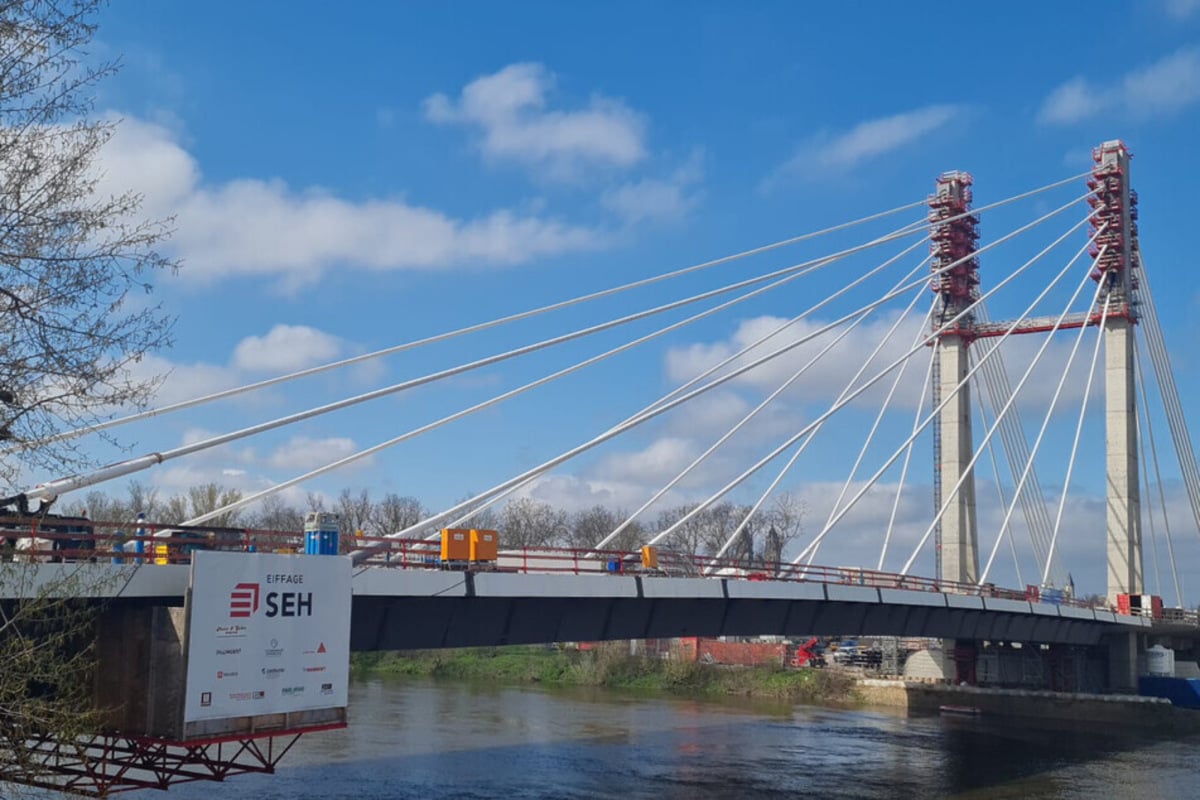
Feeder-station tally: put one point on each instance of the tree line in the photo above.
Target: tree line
(522, 522)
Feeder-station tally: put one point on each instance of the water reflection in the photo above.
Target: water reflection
(449, 740)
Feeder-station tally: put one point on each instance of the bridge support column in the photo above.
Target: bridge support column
(1123, 497)
(1114, 223)
(956, 281)
(960, 543)
(1122, 661)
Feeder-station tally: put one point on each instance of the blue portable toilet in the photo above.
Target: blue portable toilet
(320, 533)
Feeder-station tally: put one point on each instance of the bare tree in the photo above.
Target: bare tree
(201, 500)
(395, 513)
(47, 668)
(354, 511)
(525, 522)
(70, 256)
(786, 518)
(274, 514)
(143, 499)
(590, 526)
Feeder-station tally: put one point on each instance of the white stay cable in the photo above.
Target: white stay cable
(1062, 380)
(838, 406)
(1162, 497)
(655, 410)
(1005, 532)
(1147, 509)
(879, 415)
(1011, 401)
(921, 338)
(945, 400)
(122, 468)
(1169, 393)
(676, 392)
(472, 504)
(988, 404)
(476, 328)
(762, 498)
(472, 511)
(765, 402)
(1087, 390)
(925, 385)
(341, 462)
(1016, 450)
(154, 459)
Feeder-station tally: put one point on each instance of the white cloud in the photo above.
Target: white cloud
(264, 227)
(183, 381)
(509, 110)
(867, 140)
(652, 466)
(1070, 102)
(825, 378)
(1181, 9)
(302, 453)
(647, 199)
(285, 348)
(1157, 90)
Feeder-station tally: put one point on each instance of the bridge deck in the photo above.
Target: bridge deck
(429, 608)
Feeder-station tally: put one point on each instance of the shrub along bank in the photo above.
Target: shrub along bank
(610, 665)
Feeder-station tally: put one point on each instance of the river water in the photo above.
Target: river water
(411, 739)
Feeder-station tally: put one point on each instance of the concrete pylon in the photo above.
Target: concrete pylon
(953, 235)
(960, 538)
(1115, 219)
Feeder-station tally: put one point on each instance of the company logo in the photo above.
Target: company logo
(231, 631)
(225, 674)
(243, 600)
(314, 669)
(242, 696)
(326, 688)
(274, 651)
(232, 651)
(320, 649)
(205, 699)
(292, 691)
(273, 672)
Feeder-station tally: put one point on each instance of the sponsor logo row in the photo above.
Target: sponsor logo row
(268, 672)
(259, 694)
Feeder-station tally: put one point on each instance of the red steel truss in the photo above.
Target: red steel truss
(105, 764)
(1115, 238)
(953, 238)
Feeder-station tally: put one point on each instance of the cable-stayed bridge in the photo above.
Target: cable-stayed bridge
(893, 368)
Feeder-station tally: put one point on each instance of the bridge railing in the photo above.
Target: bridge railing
(72, 539)
(56, 538)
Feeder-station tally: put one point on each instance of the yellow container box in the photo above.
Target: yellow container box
(650, 557)
(456, 544)
(484, 545)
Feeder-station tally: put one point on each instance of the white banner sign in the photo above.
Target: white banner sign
(268, 634)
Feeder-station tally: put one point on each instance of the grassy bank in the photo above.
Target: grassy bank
(611, 666)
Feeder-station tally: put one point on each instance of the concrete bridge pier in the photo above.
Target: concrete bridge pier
(1123, 650)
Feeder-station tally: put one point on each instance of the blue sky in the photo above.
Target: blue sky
(347, 180)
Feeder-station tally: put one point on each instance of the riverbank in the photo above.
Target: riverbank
(1117, 711)
(611, 666)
